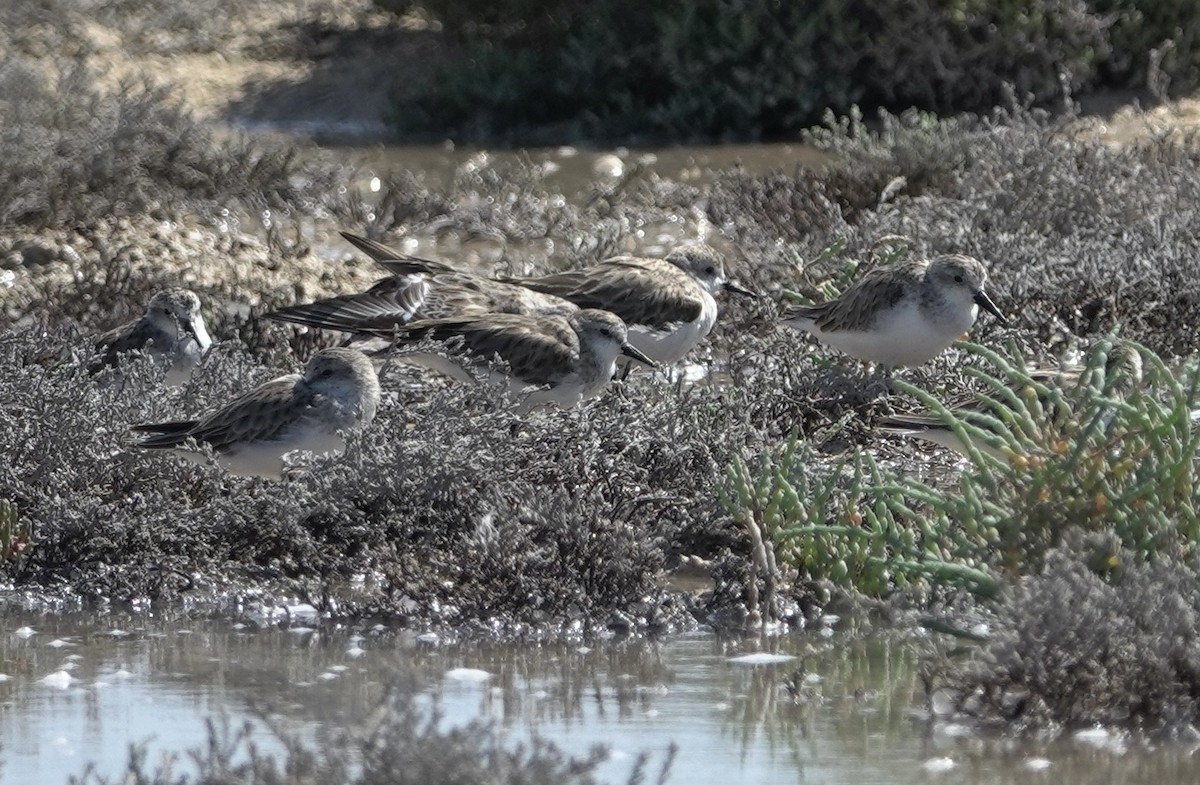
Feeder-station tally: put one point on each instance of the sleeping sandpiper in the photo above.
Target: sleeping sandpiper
(902, 315)
(417, 289)
(337, 393)
(1053, 386)
(171, 331)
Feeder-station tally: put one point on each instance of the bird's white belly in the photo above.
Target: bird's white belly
(265, 458)
(183, 361)
(668, 346)
(945, 437)
(905, 335)
(435, 362)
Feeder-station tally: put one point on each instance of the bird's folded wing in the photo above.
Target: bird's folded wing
(539, 350)
(258, 415)
(638, 294)
(120, 340)
(390, 302)
(857, 306)
(397, 262)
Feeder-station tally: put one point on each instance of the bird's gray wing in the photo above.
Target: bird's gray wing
(396, 262)
(258, 415)
(857, 307)
(539, 350)
(122, 340)
(638, 293)
(390, 302)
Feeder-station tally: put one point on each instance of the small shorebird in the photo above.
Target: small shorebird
(417, 289)
(338, 392)
(171, 331)
(1121, 373)
(667, 304)
(550, 359)
(905, 314)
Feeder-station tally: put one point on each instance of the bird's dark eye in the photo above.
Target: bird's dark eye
(958, 279)
(711, 271)
(325, 374)
(605, 332)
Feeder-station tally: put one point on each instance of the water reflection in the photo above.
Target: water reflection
(566, 175)
(847, 707)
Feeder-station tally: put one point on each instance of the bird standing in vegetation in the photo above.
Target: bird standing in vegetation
(338, 392)
(902, 315)
(172, 331)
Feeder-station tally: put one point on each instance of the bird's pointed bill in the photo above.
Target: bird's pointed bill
(985, 302)
(737, 288)
(629, 350)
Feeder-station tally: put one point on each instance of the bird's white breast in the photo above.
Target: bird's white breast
(668, 346)
(902, 335)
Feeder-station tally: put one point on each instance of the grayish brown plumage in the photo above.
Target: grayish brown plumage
(338, 391)
(550, 359)
(418, 289)
(904, 314)
(668, 304)
(172, 331)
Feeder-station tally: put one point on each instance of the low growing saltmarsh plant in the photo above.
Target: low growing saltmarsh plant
(1109, 447)
(851, 526)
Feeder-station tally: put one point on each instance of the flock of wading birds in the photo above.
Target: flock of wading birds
(560, 338)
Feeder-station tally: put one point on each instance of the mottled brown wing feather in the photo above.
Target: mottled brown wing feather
(396, 262)
(411, 265)
(120, 340)
(877, 288)
(252, 417)
(628, 287)
(389, 302)
(539, 350)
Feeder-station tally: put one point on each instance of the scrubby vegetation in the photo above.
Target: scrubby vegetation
(452, 511)
(76, 153)
(762, 68)
(1096, 454)
(398, 743)
(1099, 635)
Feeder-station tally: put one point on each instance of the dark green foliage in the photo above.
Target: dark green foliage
(721, 69)
(1150, 35)
(952, 55)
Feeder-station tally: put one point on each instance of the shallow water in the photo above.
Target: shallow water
(847, 709)
(568, 175)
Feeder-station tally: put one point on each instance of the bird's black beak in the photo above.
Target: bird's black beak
(737, 288)
(629, 350)
(985, 302)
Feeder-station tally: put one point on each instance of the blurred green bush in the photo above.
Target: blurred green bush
(763, 68)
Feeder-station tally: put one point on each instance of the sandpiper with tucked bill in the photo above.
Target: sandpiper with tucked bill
(171, 331)
(902, 315)
(417, 289)
(667, 304)
(337, 393)
(1054, 388)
